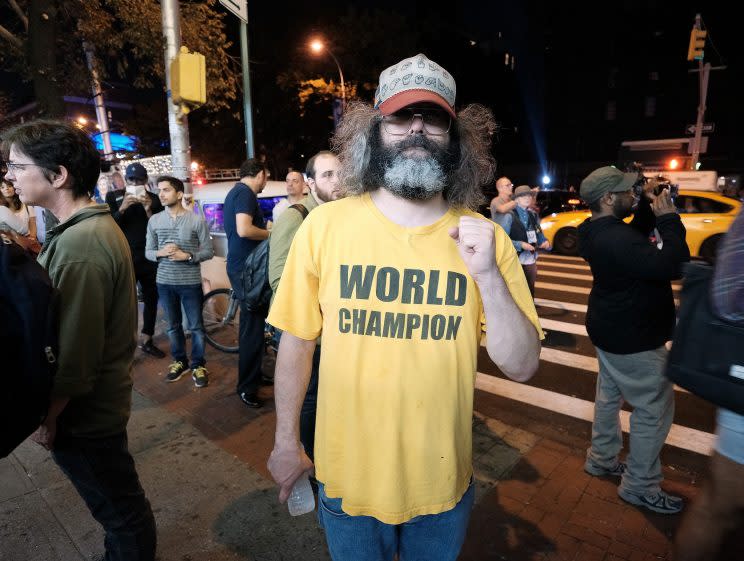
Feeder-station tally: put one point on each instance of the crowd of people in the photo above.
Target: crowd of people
(381, 300)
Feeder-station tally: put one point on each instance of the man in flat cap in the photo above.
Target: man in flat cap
(401, 278)
(629, 319)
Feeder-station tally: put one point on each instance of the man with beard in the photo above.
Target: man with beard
(629, 319)
(322, 178)
(178, 241)
(401, 278)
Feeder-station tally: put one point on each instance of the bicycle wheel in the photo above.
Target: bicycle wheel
(221, 317)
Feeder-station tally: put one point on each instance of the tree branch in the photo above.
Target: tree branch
(21, 15)
(10, 38)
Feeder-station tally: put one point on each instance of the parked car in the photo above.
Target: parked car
(706, 215)
(558, 200)
(209, 201)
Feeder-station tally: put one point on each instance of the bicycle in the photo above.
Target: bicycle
(221, 318)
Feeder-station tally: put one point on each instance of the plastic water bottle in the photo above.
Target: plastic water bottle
(301, 499)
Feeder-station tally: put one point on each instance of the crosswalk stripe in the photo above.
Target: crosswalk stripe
(576, 289)
(562, 257)
(573, 276)
(563, 327)
(679, 436)
(569, 306)
(544, 263)
(573, 360)
(563, 287)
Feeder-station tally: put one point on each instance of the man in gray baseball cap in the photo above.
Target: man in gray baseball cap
(132, 207)
(629, 319)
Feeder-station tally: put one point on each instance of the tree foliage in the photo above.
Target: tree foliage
(128, 42)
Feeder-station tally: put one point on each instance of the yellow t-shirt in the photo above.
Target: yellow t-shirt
(402, 322)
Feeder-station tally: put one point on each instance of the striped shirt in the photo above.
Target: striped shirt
(190, 233)
(728, 277)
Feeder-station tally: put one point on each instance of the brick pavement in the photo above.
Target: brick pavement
(533, 502)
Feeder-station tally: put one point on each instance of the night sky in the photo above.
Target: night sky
(570, 61)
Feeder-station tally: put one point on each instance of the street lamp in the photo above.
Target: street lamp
(318, 47)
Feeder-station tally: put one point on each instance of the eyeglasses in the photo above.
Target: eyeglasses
(435, 121)
(16, 167)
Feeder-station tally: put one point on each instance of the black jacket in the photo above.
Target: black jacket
(133, 221)
(631, 306)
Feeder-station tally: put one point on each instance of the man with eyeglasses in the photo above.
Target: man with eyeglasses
(401, 278)
(630, 317)
(55, 165)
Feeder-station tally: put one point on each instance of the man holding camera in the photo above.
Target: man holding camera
(132, 207)
(629, 319)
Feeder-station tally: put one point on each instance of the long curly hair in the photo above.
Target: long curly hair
(470, 139)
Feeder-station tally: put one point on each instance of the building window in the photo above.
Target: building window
(611, 111)
(612, 79)
(650, 106)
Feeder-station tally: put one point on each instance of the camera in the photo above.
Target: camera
(659, 183)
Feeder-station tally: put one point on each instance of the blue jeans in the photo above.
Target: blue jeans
(102, 470)
(431, 537)
(190, 296)
(730, 432)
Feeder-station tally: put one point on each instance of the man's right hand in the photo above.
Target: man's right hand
(127, 201)
(167, 250)
(286, 464)
(663, 204)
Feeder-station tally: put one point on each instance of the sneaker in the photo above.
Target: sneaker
(661, 501)
(149, 348)
(593, 469)
(176, 369)
(199, 375)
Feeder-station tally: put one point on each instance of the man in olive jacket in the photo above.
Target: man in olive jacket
(54, 165)
(323, 179)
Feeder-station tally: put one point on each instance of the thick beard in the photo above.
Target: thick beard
(620, 211)
(412, 178)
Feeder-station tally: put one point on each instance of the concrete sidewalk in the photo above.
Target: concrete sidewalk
(201, 455)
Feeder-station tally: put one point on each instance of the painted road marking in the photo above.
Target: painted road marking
(682, 437)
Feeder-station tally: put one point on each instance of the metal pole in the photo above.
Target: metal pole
(178, 124)
(704, 73)
(341, 74)
(101, 115)
(247, 110)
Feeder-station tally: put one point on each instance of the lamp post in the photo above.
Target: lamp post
(317, 46)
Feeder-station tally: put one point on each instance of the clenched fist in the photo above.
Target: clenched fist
(475, 242)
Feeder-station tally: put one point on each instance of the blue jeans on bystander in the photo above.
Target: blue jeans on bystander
(190, 296)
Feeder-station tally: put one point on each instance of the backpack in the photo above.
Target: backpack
(707, 356)
(254, 277)
(29, 323)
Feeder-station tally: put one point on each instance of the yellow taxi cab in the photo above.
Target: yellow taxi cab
(706, 215)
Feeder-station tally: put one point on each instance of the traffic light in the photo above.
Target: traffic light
(697, 44)
(188, 79)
